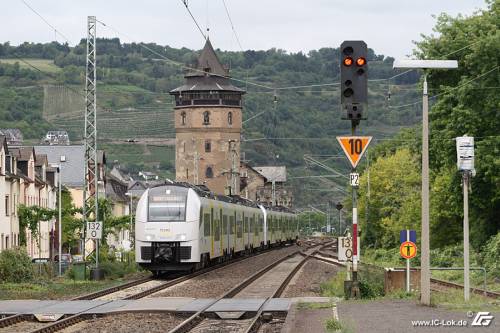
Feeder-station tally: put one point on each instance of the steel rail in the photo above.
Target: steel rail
(75, 318)
(197, 317)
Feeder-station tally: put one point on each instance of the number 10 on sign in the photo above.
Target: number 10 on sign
(354, 147)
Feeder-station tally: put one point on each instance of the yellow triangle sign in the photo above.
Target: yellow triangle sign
(354, 147)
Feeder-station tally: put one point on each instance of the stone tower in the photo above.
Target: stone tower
(208, 117)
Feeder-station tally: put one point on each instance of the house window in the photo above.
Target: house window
(206, 118)
(230, 118)
(209, 173)
(208, 146)
(7, 210)
(183, 118)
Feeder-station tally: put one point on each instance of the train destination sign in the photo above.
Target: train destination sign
(354, 147)
(408, 250)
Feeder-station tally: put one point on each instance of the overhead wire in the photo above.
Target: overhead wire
(46, 22)
(185, 2)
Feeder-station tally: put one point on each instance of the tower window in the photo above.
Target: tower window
(208, 146)
(183, 118)
(206, 118)
(230, 118)
(209, 173)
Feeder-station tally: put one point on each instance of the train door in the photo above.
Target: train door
(217, 234)
(239, 231)
(225, 232)
(232, 234)
(206, 239)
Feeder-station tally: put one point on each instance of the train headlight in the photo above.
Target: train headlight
(150, 237)
(181, 237)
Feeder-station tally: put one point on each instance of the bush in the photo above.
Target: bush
(491, 255)
(117, 269)
(15, 266)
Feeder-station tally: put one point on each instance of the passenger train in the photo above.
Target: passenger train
(184, 227)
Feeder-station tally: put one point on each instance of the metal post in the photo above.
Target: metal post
(90, 134)
(407, 265)
(466, 236)
(273, 192)
(425, 278)
(355, 292)
(60, 221)
(131, 220)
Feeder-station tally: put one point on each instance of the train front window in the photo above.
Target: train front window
(167, 204)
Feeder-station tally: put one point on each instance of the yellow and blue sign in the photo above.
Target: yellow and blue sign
(403, 236)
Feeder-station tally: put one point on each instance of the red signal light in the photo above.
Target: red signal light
(361, 61)
(348, 61)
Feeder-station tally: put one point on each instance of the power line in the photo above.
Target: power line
(46, 22)
(232, 25)
(185, 2)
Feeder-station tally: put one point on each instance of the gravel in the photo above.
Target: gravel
(215, 283)
(128, 323)
(24, 326)
(308, 280)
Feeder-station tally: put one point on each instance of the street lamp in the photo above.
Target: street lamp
(425, 278)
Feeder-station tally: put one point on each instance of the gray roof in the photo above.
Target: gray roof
(72, 170)
(209, 74)
(276, 173)
(209, 60)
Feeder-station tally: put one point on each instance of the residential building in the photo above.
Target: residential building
(258, 183)
(26, 179)
(14, 136)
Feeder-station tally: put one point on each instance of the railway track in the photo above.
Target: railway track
(268, 283)
(123, 291)
(438, 284)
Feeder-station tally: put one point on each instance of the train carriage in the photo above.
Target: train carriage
(184, 227)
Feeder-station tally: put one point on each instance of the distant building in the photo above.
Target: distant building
(147, 175)
(56, 138)
(257, 184)
(14, 136)
(208, 120)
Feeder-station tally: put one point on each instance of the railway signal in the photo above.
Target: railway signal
(354, 78)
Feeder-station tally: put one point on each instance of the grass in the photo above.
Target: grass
(52, 289)
(45, 65)
(454, 300)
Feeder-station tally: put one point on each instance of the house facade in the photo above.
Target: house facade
(26, 179)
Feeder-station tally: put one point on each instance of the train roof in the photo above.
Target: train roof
(205, 192)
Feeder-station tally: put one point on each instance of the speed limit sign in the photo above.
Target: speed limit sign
(94, 230)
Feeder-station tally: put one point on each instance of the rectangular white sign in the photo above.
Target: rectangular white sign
(465, 153)
(345, 249)
(94, 230)
(354, 177)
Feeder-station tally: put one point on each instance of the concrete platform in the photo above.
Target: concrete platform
(163, 304)
(25, 306)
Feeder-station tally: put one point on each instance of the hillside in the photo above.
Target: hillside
(41, 89)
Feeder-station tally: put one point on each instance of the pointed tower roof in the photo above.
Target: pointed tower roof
(209, 62)
(208, 75)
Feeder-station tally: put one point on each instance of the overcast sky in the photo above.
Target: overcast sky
(388, 26)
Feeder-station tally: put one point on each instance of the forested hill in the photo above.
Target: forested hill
(42, 84)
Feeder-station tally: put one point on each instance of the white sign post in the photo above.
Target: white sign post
(465, 163)
(94, 230)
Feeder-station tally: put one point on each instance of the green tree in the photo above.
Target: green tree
(394, 201)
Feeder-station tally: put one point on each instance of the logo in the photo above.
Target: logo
(482, 319)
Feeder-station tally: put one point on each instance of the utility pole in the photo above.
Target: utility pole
(425, 271)
(196, 167)
(60, 218)
(90, 192)
(465, 164)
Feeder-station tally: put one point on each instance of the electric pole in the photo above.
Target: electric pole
(90, 192)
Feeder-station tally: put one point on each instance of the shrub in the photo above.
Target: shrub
(15, 266)
(491, 255)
